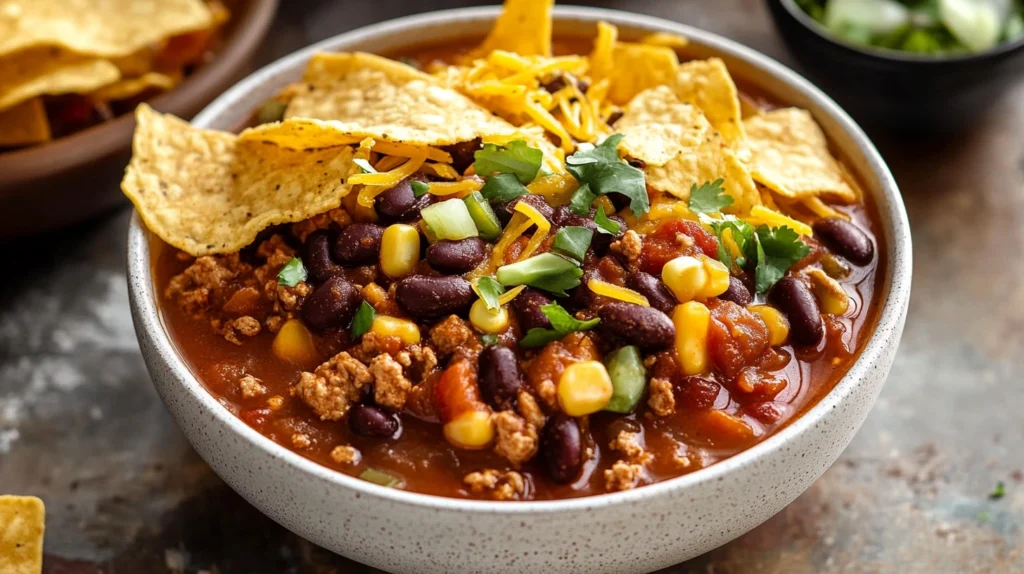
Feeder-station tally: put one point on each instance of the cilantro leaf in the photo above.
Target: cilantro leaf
(562, 323)
(999, 491)
(489, 339)
(293, 273)
(547, 271)
(363, 320)
(581, 200)
(740, 233)
(605, 225)
(517, 157)
(710, 197)
(503, 187)
(573, 241)
(419, 188)
(604, 172)
(489, 291)
(778, 248)
(364, 165)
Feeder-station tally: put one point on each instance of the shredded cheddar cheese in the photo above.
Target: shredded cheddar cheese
(615, 292)
(760, 214)
(465, 187)
(543, 228)
(506, 297)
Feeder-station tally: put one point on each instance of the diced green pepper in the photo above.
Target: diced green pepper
(483, 216)
(546, 271)
(449, 220)
(629, 378)
(380, 477)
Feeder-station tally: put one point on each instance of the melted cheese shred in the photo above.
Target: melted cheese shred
(615, 292)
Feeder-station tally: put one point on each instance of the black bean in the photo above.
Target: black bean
(318, 257)
(792, 297)
(463, 154)
(561, 447)
(652, 287)
(358, 244)
(556, 84)
(737, 292)
(368, 420)
(500, 377)
(527, 306)
(645, 327)
(426, 297)
(332, 305)
(400, 204)
(846, 239)
(458, 256)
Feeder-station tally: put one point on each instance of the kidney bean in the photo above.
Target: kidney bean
(318, 256)
(332, 305)
(561, 447)
(500, 378)
(463, 154)
(426, 297)
(368, 420)
(695, 393)
(798, 304)
(645, 327)
(527, 309)
(358, 244)
(737, 292)
(448, 256)
(652, 287)
(400, 204)
(846, 239)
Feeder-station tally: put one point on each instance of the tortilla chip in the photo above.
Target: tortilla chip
(657, 127)
(714, 158)
(708, 85)
(24, 124)
(108, 28)
(790, 155)
(631, 68)
(362, 95)
(524, 28)
(131, 87)
(39, 71)
(665, 39)
(22, 524)
(206, 192)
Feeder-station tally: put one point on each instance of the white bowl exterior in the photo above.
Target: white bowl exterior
(633, 531)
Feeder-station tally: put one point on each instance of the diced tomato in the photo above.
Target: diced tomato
(695, 393)
(456, 391)
(736, 337)
(768, 412)
(665, 244)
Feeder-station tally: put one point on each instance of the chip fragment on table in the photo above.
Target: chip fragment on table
(24, 124)
(22, 526)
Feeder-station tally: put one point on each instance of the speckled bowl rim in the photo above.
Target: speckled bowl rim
(896, 290)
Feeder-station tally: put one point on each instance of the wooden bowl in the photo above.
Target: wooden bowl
(67, 180)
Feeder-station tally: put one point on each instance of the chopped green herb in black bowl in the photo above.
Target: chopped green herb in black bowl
(921, 66)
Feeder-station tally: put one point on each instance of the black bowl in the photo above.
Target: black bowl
(899, 91)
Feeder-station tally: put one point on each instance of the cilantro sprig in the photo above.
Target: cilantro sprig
(419, 188)
(516, 158)
(489, 291)
(604, 224)
(573, 241)
(602, 171)
(772, 249)
(710, 197)
(363, 320)
(293, 273)
(503, 187)
(562, 323)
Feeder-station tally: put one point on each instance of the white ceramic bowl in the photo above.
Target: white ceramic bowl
(632, 531)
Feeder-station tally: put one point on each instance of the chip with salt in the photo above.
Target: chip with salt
(22, 524)
(39, 71)
(789, 154)
(130, 87)
(24, 124)
(207, 192)
(524, 28)
(361, 95)
(708, 85)
(632, 68)
(656, 126)
(108, 28)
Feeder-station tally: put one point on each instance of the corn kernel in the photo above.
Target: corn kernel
(399, 250)
(829, 292)
(374, 294)
(686, 277)
(294, 343)
(584, 388)
(470, 430)
(407, 331)
(778, 325)
(692, 320)
(486, 320)
(718, 277)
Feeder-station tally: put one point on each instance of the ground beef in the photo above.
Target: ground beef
(374, 344)
(205, 284)
(390, 387)
(660, 397)
(530, 410)
(498, 485)
(452, 335)
(251, 387)
(517, 439)
(345, 454)
(630, 246)
(628, 444)
(286, 301)
(623, 476)
(419, 362)
(235, 329)
(275, 252)
(332, 388)
(337, 216)
(301, 440)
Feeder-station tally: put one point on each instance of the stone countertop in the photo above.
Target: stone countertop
(81, 426)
